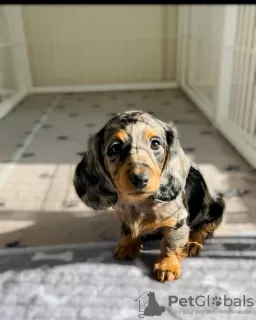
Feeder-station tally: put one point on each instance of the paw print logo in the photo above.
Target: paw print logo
(216, 301)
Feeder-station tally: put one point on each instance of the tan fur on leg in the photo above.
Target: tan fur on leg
(128, 248)
(197, 237)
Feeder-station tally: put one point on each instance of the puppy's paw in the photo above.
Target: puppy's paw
(194, 249)
(127, 249)
(167, 268)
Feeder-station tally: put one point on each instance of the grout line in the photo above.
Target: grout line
(51, 181)
(9, 167)
(69, 185)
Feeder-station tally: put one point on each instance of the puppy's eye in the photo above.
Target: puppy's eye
(115, 149)
(155, 144)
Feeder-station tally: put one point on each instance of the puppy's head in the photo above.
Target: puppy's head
(132, 158)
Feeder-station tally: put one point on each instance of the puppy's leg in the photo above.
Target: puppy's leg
(128, 247)
(173, 249)
(197, 236)
(206, 228)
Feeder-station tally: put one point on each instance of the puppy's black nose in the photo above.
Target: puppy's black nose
(139, 180)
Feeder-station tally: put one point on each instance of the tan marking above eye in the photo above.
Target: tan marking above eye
(120, 135)
(150, 133)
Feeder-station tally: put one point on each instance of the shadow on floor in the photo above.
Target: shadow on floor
(46, 228)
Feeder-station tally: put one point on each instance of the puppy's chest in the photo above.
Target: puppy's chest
(145, 218)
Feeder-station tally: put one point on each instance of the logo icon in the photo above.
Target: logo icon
(216, 301)
(148, 306)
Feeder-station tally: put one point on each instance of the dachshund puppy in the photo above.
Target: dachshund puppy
(135, 164)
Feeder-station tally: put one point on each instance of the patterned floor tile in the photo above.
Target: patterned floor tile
(39, 186)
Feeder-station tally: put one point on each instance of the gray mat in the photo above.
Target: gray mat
(86, 282)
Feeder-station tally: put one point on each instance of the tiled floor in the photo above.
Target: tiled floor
(43, 139)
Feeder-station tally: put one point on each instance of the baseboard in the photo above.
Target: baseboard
(107, 87)
(202, 105)
(231, 134)
(226, 129)
(10, 103)
(6, 92)
(7, 105)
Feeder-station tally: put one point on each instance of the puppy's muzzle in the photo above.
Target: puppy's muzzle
(139, 181)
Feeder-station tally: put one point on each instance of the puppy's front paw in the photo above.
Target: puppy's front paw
(167, 268)
(128, 248)
(194, 248)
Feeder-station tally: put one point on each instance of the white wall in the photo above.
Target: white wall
(77, 45)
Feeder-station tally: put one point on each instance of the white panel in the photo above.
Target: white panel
(7, 77)
(242, 107)
(221, 53)
(13, 59)
(201, 41)
(85, 45)
(171, 21)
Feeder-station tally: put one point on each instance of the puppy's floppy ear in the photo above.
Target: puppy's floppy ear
(91, 181)
(176, 167)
